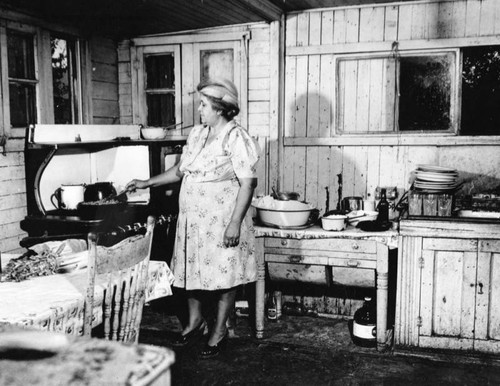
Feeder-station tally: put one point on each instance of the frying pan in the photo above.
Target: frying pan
(98, 210)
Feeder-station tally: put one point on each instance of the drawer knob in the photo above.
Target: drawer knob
(352, 263)
(284, 242)
(355, 246)
(295, 259)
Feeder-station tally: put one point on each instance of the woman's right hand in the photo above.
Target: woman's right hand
(133, 185)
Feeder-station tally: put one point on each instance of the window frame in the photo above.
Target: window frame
(455, 100)
(43, 74)
(140, 109)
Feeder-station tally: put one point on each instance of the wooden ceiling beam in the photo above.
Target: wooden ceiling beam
(264, 8)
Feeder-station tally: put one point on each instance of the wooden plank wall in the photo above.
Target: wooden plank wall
(104, 58)
(260, 117)
(309, 90)
(104, 109)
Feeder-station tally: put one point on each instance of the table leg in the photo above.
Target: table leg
(382, 292)
(260, 288)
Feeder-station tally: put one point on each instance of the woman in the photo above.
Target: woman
(214, 246)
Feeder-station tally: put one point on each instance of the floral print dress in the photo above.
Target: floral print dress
(206, 203)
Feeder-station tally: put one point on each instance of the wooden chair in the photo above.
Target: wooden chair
(126, 266)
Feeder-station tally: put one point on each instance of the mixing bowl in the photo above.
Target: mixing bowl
(334, 222)
(153, 132)
(285, 213)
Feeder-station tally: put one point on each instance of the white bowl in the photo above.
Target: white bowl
(285, 214)
(153, 132)
(334, 222)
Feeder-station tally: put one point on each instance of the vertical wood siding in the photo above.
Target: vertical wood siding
(310, 85)
(104, 81)
(260, 115)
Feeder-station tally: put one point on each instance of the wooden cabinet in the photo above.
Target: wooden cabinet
(448, 287)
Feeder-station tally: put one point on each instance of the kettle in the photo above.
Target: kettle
(99, 191)
(68, 196)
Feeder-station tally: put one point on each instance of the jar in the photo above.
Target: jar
(364, 327)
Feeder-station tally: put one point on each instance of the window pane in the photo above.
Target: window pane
(21, 57)
(481, 91)
(161, 109)
(22, 104)
(425, 92)
(64, 80)
(217, 64)
(160, 71)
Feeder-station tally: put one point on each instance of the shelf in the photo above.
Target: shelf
(171, 141)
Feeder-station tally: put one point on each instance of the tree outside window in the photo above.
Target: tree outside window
(65, 80)
(22, 80)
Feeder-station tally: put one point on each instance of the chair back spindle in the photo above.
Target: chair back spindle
(125, 267)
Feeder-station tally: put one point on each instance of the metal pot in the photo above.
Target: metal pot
(349, 204)
(99, 191)
(68, 196)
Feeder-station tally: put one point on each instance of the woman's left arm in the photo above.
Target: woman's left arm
(243, 200)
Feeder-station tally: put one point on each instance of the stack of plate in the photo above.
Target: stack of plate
(435, 179)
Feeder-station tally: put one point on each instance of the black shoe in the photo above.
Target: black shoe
(211, 351)
(189, 338)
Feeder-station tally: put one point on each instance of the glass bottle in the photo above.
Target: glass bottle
(272, 312)
(364, 328)
(383, 208)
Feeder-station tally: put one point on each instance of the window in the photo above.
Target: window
(65, 80)
(22, 79)
(425, 92)
(481, 91)
(217, 63)
(160, 89)
(412, 92)
(407, 92)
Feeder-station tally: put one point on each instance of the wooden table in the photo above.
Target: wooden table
(351, 248)
(56, 302)
(81, 361)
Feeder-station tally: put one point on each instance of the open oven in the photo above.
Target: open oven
(89, 155)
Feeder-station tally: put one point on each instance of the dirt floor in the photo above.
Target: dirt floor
(301, 350)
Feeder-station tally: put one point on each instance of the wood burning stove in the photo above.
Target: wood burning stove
(56, 155)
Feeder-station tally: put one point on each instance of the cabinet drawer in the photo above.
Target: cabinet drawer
(282, 269)
(489, 246)
(443, 244)
(355, 277)
(342, 245)
(296, 259)
(352, 263)
(319, 254)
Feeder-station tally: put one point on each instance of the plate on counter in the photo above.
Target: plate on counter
(434, 187)
(435, 168)
(436, 176)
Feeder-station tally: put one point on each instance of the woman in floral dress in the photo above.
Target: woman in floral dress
(214, 247)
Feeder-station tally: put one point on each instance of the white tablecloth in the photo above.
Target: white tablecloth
(389, 237)
(55, 303)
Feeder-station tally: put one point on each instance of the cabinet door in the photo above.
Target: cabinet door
(447, 299)
(487, 329)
